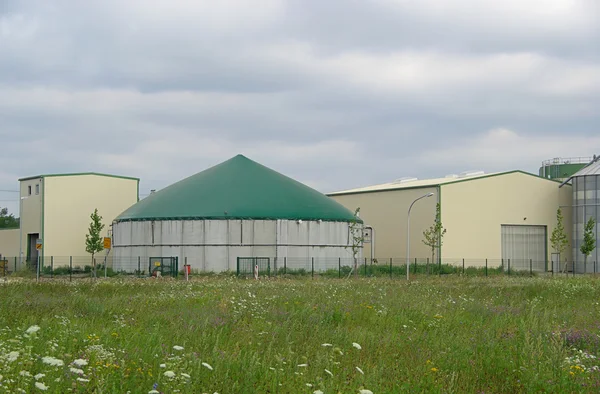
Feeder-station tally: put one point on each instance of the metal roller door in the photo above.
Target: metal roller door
(524, 244)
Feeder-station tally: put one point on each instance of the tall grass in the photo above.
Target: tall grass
(228, 335)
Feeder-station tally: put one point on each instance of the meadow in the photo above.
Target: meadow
(228, 335)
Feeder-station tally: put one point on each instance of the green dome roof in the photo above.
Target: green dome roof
(238, 188)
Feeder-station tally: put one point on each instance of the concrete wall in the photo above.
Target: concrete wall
(9, 243)
(473, 212)
(387, 212)
(31, 211)
(69, 202)
(215, 245)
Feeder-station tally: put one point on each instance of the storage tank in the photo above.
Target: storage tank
(238, 210)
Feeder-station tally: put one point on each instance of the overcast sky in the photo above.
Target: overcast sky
(334, 93)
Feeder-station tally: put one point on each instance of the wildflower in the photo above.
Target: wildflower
(317, 392)
(163, 365)
(41, 386)
(153, 392)
(328, 372)
(434, 369)
(179, 348)
(308, 385)
(80, 362)
(76, 371)
(364, 391)
(327, 345)
(356, 345)
(360, 370)
(185, 375)
(12, 356)
(169, 374)
(207, 366)
(53, 361)
(83, 380)
(32, 330)
(39, 376)
(25, 374)
(302, 365)
(272, 369)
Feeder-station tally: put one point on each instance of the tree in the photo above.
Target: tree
(559, 239)
(6, 220)
(433, 236)
(589, 239)
(357, 238)
(93, 242)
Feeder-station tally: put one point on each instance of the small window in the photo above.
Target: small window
(29, 190)
(37, 189)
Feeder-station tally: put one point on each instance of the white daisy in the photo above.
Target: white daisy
(41, 386)
(179, 348)
(32, 330)
(80, 362)
(53, 361)
(169, 374)
(39, 376)
(163, 365)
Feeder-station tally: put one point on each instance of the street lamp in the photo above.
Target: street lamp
(408, 234)
(21, 230)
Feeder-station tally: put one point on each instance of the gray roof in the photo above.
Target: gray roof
(591, 169)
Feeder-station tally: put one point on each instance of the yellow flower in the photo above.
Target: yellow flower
(572, 373)
(428, 361)
(434, 369)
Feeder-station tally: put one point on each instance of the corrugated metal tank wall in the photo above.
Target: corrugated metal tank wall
(215, 245)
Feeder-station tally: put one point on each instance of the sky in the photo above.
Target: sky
(336, 94)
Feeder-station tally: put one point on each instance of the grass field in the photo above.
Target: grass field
(226, 335)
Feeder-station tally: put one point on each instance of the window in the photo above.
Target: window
(29, 190)
(37, 189)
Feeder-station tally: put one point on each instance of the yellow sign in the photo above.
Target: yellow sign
(107, 243)
(38, 244)
(157, 263)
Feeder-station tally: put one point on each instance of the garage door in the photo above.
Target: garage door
(522, 244)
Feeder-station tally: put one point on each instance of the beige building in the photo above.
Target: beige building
(56, 209)
(498, 216)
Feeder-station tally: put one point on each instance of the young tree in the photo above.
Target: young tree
(93, 241)
(589, 239)
(357, 238)
(559, 239)
(433, 236)
(7, 220)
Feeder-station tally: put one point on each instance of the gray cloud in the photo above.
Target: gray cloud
(337, 94)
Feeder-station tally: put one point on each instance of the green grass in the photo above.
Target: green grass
(433, 335)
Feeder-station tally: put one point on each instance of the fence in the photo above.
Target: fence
(72, 268)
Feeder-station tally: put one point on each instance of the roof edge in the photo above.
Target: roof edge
(117, 220)
(78, 174)
(500, 174)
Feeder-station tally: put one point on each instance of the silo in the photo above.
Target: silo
(232, 212)
(586, 201)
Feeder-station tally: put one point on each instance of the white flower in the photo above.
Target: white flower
(328, 372)
(39, 376)
(363, 391)
(41, 386)
(53, 361)
(302, 365)
(32, 330)
(153, 392)
(317, 392)
(177, 348)
(327, 345)
(207, 366)
(356, 345)
(163, 365)
(80, 362)
(272, 369)
(185, 375)
(360, 370)
(83, 380)
(76, 371)
(169, 374)
(12, 356)
(308, 385)
(25, 373)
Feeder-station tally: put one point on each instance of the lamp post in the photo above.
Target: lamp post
(21, 230)
(408, 234)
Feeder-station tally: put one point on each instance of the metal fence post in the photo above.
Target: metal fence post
(439, 266)
(463, 266)
(105, 267)
(530, 267)
(150, 268)
(365, 267)
(70, 268)
(574, 268)
(313, 267)
(339, 267)
(595, 268)
(15, 265)
(415, 265)
(139, 267)
(51, 266)
(427, 266)
(37, 270)
(508, 267)
(486, 267)
(391, 262)
(285, 265)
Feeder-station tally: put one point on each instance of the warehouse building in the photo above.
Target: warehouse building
(498, 217)
(55, 215)
(230, 217)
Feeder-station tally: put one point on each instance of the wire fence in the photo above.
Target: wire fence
(82, 267)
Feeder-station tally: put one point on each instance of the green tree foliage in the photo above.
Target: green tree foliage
(93, 241)
(589, 239)
(7, 220)
(559, 239)
(433, 236)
